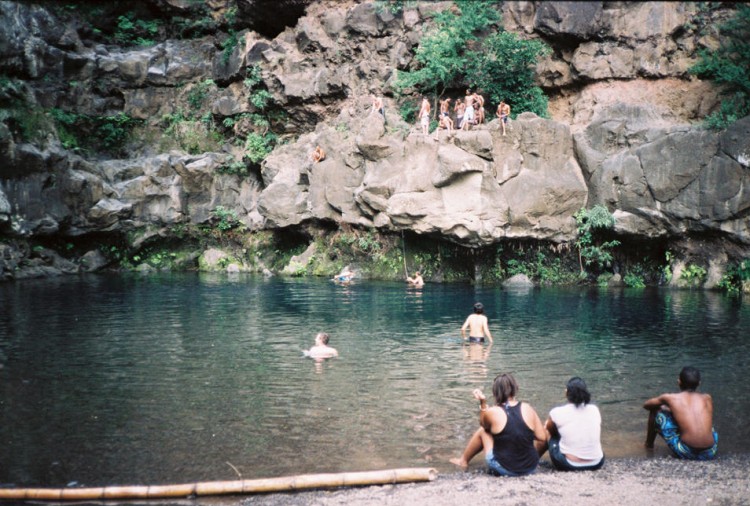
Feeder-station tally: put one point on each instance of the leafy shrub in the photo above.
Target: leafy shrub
(138, 32)
(198, 93)
(634, 280)
(93, 133)
(589, 222)
(227, 218)
(693, 274)
(258, 146)
(735, 276)
(729, 67)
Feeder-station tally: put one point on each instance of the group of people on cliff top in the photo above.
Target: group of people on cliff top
(469, 111)
(513, 438)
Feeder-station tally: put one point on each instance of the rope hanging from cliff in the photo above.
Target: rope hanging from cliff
(403, 245)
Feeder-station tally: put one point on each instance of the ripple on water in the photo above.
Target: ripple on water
(168, 378)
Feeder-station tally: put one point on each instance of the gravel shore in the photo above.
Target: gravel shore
(658, 480)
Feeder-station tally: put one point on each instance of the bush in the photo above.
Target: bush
(590, 250)
(93, 133)
(137, 32)
(729, 67)
(501, 64)
(693, 274)
(735, 276)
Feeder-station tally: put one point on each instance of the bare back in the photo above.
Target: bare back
(477, 326)
(693, 413)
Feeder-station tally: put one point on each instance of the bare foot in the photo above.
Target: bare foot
(460, 462)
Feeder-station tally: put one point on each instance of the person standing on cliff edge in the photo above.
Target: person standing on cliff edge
(684, 419)
(424, 115)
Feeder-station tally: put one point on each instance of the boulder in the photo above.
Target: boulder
(93, 261)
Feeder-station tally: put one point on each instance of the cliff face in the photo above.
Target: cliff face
(621, 133)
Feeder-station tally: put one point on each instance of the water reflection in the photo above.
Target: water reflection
(144, 379)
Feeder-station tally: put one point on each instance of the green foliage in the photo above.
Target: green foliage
(394, 6)
(235, 167)
(93, 133)
(442, 56)
(260, 99)
(198, 93)
(504, 69)
(258, 146)
(136, 32)
(227, 218)
(693, 274)
(735, 276)
(634, 280)
(452, 53)
(729, 67)
(590, 250)
(190, 135)
(228, 46)
(408, 111)
(667, 269)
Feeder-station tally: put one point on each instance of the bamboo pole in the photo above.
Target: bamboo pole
(263, 485)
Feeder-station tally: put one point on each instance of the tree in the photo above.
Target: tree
(729, 66)
(442, 56)
(467, 47)
(504, 69)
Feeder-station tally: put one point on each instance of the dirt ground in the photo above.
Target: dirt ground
(645, 481)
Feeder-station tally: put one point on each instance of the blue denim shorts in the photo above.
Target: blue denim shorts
(561, 463)
(495, 468)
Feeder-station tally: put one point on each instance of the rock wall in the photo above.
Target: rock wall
(621, 133)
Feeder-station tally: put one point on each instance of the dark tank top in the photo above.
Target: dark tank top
(514, 445)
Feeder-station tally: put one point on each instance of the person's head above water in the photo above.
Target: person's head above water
(504, 387)
(479, 308)
(690, 378)
(322, 337)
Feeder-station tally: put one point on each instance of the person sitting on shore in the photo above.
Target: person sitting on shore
(416, 281)
(509, 433)
(477, 325)
(574, 431)
(321, 348)
(684, 419)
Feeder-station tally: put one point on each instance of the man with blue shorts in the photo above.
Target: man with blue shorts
(684, 419)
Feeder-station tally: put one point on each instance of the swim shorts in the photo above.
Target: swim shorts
(425, 119)
(561, 463)
(667, 427)
(476, 339)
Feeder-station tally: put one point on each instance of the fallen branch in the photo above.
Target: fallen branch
(281, 484)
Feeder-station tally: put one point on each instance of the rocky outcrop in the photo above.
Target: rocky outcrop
(621, 132)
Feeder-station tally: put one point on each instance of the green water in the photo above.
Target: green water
(181, 378)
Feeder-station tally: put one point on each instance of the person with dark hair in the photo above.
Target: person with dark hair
(509, 433)
(684, 419)
(477, 325)
(574, 431)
